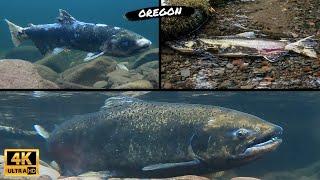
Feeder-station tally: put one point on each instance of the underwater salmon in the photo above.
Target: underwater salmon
(68, 33)
(134, 138)
(242, 45)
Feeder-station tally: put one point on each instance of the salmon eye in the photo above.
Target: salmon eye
(242, 133)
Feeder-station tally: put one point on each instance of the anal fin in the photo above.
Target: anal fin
(42, 132)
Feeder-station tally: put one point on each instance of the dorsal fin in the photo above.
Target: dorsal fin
(119, 101)
(65, 17)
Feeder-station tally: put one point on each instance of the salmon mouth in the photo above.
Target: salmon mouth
(261, 146)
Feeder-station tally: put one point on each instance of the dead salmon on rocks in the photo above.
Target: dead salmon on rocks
(245, 45)
(69, 33)
(134, 138)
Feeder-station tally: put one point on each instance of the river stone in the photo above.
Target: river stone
(147, 68)
(148, 56)
(139, 84)
(63, 61)
(153, 77)
(91, 72)
(46, 73)
(19, 74)
(118, 77)
(100, 84)
(185, 73)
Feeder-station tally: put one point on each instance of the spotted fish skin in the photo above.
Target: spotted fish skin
(73, 34)
(152, 139)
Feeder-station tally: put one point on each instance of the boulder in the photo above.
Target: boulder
(148, 67)
(19, 74)
(27, 53)
(148, 56)
(100, 84)
(62, 61)
(89, 73)
(136, 76)
(68, 85)
(118, 77)
(47, 73)
(139, 84)
(153, 77)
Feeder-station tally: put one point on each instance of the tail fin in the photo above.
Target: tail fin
(16, 32)
(301, 48)
(42, 132)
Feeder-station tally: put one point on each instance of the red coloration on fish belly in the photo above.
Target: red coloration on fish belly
(272, 51)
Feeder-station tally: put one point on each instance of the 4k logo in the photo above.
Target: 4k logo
(21, 162)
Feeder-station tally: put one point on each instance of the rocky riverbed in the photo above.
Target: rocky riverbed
(289, 19)
(49, 172)
(25, 68)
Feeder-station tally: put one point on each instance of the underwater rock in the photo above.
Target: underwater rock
(136, 76)
(147, 68)
(153, 77)
(47, 73)
(119, 72)
(118, 77)
(27, 53)
(62, 61)
(19, 74)
(151, 55)
(89, 73)
(100, 84)
(139, 84)
(68, 85)
(167, 85)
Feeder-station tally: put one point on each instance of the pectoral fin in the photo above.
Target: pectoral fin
(171, 165)
(42, 132)
(91, 56)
